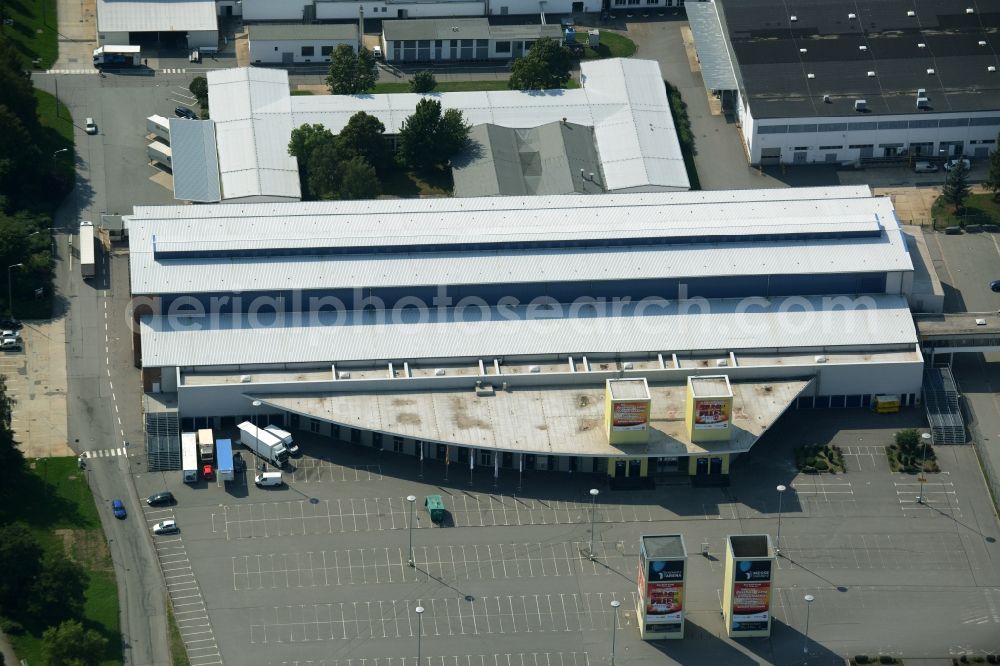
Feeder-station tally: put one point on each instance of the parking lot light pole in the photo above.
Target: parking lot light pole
(412, 499)
(777, 539)
(256, 418)
(10, 287)
(614, 629)
(594, 492)
(805, 645)
(420, 630)
(924, 439)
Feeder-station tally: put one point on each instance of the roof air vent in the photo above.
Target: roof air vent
(871, 73)
(921, 45)
(923, 103)
(862, 48)
(860, 105)
(921, 92)
(826, 99)
(793, 18)
(982, 42)
(910, 12)
(803, 50)
(852, 16)
(970, 10)
(930, 70)
(991, 68)
(810, 75)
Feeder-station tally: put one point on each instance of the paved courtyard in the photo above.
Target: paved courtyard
(317, 572)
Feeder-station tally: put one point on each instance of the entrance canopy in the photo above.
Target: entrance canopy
(545, 420)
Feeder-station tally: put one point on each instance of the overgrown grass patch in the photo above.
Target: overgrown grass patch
(33, 30)
(978, 209)
(178, 653)
(684, 134)
(819, 459)
(612, 45)
(401, 182)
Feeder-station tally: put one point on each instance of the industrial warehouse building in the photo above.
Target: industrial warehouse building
(622, 103)
(487, 330)
(283, 44)
(324, 10)
(174, 24)
(833, 82)
(448, 40)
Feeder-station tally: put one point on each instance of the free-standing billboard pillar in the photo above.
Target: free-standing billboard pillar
(662, 565)
(746, 596)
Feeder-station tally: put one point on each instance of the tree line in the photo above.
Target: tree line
(34, 177)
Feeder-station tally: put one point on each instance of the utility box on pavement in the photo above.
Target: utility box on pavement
(662, 565)
(746, 592)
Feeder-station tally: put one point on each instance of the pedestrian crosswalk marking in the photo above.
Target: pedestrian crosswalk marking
(71, 71)
(104, 453)
(173, 71)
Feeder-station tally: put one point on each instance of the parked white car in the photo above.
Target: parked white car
(951, 164)
(166, 527)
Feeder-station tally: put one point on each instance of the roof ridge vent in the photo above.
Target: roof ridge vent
(860, 105)
(910, 12)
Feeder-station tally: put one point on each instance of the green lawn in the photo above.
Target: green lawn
(60, 510)
(33, 31)
(979, 209)
(612, 45)
(58, 134)
(409, 184)
(178, 653)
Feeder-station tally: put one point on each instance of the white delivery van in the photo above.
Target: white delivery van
(268, 479)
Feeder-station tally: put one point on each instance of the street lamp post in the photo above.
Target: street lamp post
(805, 644)
(10, 287)
(594, 492)
(412, 499)
(420, 630)
(777, 540)
(924, 438)
(614, 629)
(61, 150)
(256, 408)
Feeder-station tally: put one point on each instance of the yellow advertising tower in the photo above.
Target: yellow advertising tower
(708, 411)
(626, 411)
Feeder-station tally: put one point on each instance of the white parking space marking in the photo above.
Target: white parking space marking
(473, 616)
(297, 517)
(931, 551)
(311, 470)
(380, 565)
(865, 459)
(938, 496)
(496, 659)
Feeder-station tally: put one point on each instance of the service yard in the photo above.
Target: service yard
(316, 572)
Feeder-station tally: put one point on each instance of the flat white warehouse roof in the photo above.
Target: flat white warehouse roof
(156, 16)
(624, 100)
(510, 240)
(327, 337)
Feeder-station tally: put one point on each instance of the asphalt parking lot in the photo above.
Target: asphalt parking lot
(317, 573)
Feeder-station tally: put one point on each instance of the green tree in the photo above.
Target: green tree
(428, 139)
(364, 136)
(546, 65)
(956, 186)
(993, 179)
(58, 591)
(358, 180)
(351, 73)
(423, 82)
(199, 88)
(20, 552)
(70, 644)
(305, 141)
(323, 171)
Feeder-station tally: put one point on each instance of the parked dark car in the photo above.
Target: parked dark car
(166, 497)
(239, 465)
(995, 285)
(118, 508)
(14, 324)
(184, 112)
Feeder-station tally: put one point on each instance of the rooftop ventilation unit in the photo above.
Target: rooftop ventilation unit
(930, 70)
(921, 45)
(910, 12)
(793, 18)
(871, 73)
(923, 103)
(921, 92)
(439, 372)
(860, 105)
(970, 10)
(803, 50)
(852, 16)
(862, 48)
(991, 68)
(826, 99)
(819, 359)
(810, 75)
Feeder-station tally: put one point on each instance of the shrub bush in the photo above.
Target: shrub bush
(886, 659)
(861, 659)
(821, 465)
(811, 461)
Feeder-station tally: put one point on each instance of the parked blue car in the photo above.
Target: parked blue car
(118, 508)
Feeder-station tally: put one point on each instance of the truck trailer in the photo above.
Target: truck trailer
(189, 456)
(206, 446)
(159, 127)
(266, 445)
(87, 265)
(224, 455)
(160, 152)
(117, 56)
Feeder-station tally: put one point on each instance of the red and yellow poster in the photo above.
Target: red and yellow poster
(664, 602)
(629, 415)
(751, 595)
(711, 414)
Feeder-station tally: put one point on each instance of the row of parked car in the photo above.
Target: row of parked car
(10, 335)
(932, 167)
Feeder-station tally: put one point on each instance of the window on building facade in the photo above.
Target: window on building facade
(503, 47)
(326, 51)
(308, 50)
(482, 49)
(313, 425)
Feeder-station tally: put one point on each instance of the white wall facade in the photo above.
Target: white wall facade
(451, 50)
(273, 51)
(635, 6)
(848, 139)
(294, 10)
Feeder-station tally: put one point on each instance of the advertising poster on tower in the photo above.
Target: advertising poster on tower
(629, 416)
(711, 414)
(664, 593)
(751, 595)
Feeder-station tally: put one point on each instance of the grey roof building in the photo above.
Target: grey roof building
(557, 158)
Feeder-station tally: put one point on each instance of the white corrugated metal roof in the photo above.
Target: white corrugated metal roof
(434, 333)
(623, 99)
(251, 111)
(156, 15)
(194, 164)
(371, 226)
